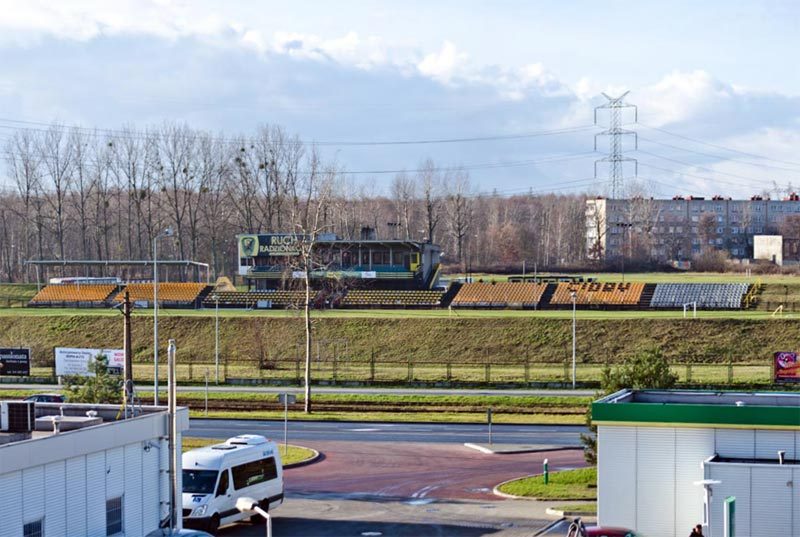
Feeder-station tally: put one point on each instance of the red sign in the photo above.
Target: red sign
(787, 367)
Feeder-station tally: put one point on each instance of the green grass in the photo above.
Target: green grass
(398, 417)
(293, 455)
(578, 484)
(578, 507)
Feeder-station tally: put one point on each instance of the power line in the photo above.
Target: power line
(479, 166)
(137, 135)
(754, 155)
(718, 157)
(709, 170)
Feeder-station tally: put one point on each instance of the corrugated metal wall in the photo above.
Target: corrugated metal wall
(71, 495)
(767, 499)
(646, 478)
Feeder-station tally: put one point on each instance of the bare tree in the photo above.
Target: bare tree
(57, 155)
(430, 185)
(403, 193)
(311, 196)
(458, 211)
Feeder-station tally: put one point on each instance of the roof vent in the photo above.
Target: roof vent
(246, 440)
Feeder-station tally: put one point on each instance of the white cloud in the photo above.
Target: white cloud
(442, 65)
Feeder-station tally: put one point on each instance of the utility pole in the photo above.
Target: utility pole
(127, 390)
(615, 132)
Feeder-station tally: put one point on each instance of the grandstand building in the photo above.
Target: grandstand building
(270, 261)
(677, 229)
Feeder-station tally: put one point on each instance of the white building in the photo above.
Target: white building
(107, 476)
(655, 449)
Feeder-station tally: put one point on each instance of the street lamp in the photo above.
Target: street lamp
(166, 233)
(245, 505)
(574, 297)
(215, 298)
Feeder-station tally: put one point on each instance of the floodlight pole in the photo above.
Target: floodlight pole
(166, 233)
(574, 297)
(216, 337)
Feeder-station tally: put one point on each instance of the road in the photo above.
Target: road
(404, 479)
(339, 390)
(447, 433)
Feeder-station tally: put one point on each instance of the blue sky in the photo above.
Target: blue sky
(721, 73)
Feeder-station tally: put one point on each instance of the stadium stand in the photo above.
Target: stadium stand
(370, 297)
(499, 295)
(251, 299)
(168, 292)
(66, 294)
(597, 293)
(706, 295)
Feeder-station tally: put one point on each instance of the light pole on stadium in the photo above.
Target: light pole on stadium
(574, 297)
(215, 298)
(166, 233)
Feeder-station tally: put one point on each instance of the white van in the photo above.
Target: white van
(215, 476)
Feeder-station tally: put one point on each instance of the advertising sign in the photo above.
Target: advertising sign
(284, 244)
(76, 361)
(15, 362)
(787, 367)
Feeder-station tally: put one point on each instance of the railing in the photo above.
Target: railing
(751, 297)
(370, 370)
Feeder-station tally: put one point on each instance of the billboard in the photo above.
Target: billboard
(15, 362)
(786, 367)
(279, 244)
(76, 361)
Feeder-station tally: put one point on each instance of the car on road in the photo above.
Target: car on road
(578, 529)
(47, 398)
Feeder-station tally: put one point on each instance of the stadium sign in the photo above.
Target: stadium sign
(15, 362)
(283, 244)
(786, 367)
(77, 361)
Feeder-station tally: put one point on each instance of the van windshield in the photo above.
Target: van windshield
(199, 481)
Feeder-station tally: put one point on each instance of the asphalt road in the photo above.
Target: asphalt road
(335, 390)
(303, 431)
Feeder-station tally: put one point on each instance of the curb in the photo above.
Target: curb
(311, 460)
(557, 512)
(516, 451)
(496, 491)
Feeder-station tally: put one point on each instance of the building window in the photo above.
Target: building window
(33, 529)
(679, 229)
(114, 516)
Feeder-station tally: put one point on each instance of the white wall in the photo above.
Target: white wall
(646, 475)
(70, 495)
(767, 498)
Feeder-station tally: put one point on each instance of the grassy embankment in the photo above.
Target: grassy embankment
(293, 455)
(346, 345)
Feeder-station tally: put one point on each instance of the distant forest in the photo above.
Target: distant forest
(73, 193)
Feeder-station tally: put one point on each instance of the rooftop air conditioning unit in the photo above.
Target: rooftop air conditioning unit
(17, 416)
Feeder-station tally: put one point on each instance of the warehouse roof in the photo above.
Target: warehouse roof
(686, 408)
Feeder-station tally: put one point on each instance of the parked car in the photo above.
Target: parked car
(578, 529)
(164, 532)
(47, 398)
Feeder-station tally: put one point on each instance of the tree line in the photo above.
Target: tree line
(75, 193)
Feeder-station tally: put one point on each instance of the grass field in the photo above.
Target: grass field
(578, 484)
(292, 455)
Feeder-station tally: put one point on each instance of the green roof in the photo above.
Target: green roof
(680, 408)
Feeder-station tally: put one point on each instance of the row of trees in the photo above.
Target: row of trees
(77, 194)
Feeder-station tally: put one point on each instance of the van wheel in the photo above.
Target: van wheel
(256, 518)
(213, 524)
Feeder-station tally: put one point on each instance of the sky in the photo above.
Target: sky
(716, 83)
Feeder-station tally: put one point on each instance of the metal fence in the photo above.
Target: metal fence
(376, 371)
